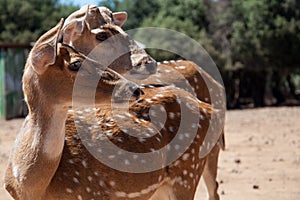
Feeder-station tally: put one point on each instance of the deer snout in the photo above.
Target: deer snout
(137, 92)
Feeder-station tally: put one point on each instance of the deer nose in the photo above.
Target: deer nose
(126, 90)
(151, 67)
(136, 91)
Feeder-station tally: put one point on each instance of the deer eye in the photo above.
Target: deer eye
(102, 36)
(74, 66)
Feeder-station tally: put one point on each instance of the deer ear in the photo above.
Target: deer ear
(75, 27)
(43, 53)
(120, 18)
(74, 30)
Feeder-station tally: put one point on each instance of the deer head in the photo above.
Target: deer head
(97, 31)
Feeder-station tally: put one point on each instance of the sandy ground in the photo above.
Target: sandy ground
(262, 159)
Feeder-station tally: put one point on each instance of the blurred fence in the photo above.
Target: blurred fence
(12, 61)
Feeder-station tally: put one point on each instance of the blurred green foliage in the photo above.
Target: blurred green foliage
(24, 21)
(237, 33)
(266, 33)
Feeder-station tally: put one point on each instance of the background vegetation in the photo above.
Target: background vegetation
(255, 43)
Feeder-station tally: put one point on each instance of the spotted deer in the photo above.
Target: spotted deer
(168, 72)
(81, 176)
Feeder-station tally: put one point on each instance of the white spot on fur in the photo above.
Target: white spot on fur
(101, 183)
(112, 183)
(75, 180)
(120, 194)
(180, 67)
(176, 163)
(69, 190)
(16, 171)
(79, 112)
(127, 162)
(88, 189)
(191, 175)
(195, 79)
(177, 147)
(185, 156)
(147, 190)
(87, 110)
(84, 163)
(171, 115)
(134, 195)
(71, 161)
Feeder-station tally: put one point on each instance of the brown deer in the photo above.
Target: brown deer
(48, 81)
(168, 72)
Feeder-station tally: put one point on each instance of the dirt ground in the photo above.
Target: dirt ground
(262, 159)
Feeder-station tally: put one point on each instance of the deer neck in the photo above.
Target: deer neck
(49, 131)
(38, 148)
(47, 124)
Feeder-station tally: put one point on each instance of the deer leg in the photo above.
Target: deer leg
(210, 174)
